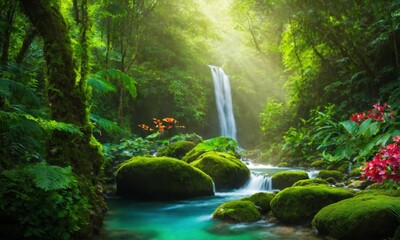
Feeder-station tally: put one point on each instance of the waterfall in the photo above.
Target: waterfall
(257, 183)
(223, 96)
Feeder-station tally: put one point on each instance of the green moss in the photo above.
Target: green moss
(176, 150)
(325, 174)
(362, 217)
(159, 178)
(318, 164)
(300, 204)
(282, 180)
(310, 182)
(261, 200)
(227, 171)
(283, 164)
(356, 172)
(237, 211)
(193, 154)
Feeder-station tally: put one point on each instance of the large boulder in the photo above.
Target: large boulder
(282, 180)
(297, 205)
(227, 171)
(362, 217)
(161, 178)
(262, 200)
(176, 150)
(237, 211)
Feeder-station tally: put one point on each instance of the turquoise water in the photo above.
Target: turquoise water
(188, 220)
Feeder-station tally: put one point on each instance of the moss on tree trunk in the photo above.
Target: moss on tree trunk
(67, 101)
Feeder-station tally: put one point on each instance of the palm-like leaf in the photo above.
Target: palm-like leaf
(100, 81)
(107, 125)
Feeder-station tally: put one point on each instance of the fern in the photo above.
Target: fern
(46, 177)
(51, 125)
(46, 125)
(49, 177)
(100, 85)
(101, 76)
(13, 89)
(107, 125)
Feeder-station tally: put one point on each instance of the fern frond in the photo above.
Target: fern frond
(128, 81)
(10, 88)
(50, 178)
(107, 125)
(51, 125)
(100, 84)
(47, 125)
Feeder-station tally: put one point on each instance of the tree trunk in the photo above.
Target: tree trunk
(67, 103)
(7, 34)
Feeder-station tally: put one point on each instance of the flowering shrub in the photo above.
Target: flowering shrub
(385, 166)
(378, 113)
(159, 125)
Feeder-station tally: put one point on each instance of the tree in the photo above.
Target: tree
(67, 100)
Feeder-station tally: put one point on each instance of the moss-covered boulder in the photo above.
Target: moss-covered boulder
(262, 200)
(176, 150)
(161, 178)
(311, 182)
(218, 144)
(237, 211)
(227, 171)
(362, 217)
(297, 205)
(194, 154)
(326, 174)
(282, 180)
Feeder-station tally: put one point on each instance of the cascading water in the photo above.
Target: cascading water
(257, 183)
(223, 96)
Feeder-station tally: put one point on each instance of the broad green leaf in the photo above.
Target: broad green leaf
(350, 126)
(364, 127)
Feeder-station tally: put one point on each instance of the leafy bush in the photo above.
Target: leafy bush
(43, 201)
(301, 143)
(357, 139)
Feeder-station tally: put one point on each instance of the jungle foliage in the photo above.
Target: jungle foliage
(299, 70)
(340, 57)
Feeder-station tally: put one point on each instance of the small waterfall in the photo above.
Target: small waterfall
(257, 183)
(223, 96)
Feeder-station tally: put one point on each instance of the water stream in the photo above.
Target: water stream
(192, 219)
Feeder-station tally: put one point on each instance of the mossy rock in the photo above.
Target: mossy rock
(227, 171)
(161, 178)
(297, 205)
(311, 182)
(193, 154)
(176, 150)
(355, 173)
(261, 200)
(283, 164)
(282, 180)
(363, 217)
(237, 211)
(318, 164)
(335, 174)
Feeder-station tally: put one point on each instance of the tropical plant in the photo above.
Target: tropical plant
(42, 201)
(357, 139)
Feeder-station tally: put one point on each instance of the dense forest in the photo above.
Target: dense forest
(85, 85)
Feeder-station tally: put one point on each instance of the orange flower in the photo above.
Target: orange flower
(170, 120)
